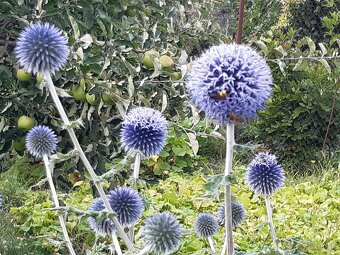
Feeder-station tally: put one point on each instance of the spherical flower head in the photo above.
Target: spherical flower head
(100, 225)
(229, 82)
(206, 225)
(144, 129)
(265, 175)
(162, 232)
(238, 214)
(127, 204)
(41, 47)
(40, 141)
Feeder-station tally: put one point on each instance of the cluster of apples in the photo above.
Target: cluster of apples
(22, 75)
(166, 63)
(79, 93)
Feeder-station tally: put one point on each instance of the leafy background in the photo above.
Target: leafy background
(108, 40)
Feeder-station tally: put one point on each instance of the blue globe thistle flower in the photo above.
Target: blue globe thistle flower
(229, 83)
(100, 225)
(162, 232)
(41, 47)
(238, 214)
(206, 225)
(265, 175)
(144, 129)
(40, 141)
(127, 204)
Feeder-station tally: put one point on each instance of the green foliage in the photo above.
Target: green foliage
(255, 13)
(181, 152)
(14, 185)
(302, 116)
(306, 226)
(14, 242)
(35, 218)
(107, 42)
(315, 18)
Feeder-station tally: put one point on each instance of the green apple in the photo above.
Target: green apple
(166, 61)
(147, 61)
(176, 76)
(78, 93)
(40, 77)
(19, 144)
(106, 96)
(92, 99)
(131, 12)
(22, 75)
(25, 122)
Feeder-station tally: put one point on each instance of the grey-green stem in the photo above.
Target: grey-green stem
(82, 156)
(211, 243)
(145, 250)
(132, 232)
(271, 223)
(136, 167)
(116, 244)
(228, 245)
(56, 204)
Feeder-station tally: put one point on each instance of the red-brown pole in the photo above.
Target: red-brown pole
(240, 22)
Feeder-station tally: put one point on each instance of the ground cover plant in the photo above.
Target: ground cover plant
(296, 222)
(131, 86)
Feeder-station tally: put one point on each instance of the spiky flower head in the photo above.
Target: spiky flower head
(41, 47)
(265, 175)
(41, 140)
(206, 225)
(144, 130)
(127, 204)
(229, 82)
(100, 225)
(162, 232)
(238, 214)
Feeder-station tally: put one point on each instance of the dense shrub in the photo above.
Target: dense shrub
(312, 18)
(108, 41)
(304, 107)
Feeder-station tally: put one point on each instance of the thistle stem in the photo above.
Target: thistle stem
(56, 204)
(228, 245)
(136, 167)
(211, 243)
(82, 156)
(132, 232)
(271, 223)
(146, 250)
(116, 244)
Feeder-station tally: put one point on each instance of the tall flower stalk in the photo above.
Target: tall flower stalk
(103, 226)
(206, 226)
(144, 131)
(42, 48)
(42, 142)
(229, 83)
(229, 242)
(265, 176)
